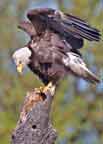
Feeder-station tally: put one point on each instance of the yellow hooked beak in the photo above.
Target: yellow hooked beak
(20, 68)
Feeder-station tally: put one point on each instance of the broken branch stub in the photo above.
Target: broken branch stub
(34, 126)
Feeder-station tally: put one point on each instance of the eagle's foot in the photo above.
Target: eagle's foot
(48, 87)
(45, 88)
(42, 90)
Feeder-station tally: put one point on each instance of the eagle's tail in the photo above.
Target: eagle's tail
(79, 27)
(77, 67)
(89, 76)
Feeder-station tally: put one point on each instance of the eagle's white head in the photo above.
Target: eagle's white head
(21, 58)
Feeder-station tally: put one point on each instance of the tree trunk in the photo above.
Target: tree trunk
(34, 125)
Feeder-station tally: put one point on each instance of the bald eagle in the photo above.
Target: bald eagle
(53, 50)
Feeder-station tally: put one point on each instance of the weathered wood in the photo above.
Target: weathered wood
(34, 126)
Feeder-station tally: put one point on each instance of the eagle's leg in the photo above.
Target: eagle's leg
(47, 87)
(43, 90)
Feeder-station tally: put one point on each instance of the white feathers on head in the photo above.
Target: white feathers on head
(23, 55)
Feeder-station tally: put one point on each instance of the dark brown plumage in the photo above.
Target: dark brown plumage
(55, 41)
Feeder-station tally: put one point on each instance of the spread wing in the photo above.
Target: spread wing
(72, 28)
(77, 27)
(27, 27)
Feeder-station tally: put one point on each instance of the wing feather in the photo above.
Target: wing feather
(72, 28)
(78, 27)
(27, 27)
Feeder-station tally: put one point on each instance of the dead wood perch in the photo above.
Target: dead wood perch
(34, 126)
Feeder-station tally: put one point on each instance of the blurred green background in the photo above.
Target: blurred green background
(78, 106)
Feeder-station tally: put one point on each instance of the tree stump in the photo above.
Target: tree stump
(34, 125)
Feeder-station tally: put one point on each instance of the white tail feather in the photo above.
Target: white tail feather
(77, 66)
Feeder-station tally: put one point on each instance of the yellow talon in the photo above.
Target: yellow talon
(39, 90)
(46, 88)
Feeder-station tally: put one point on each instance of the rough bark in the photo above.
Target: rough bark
(34, 125)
